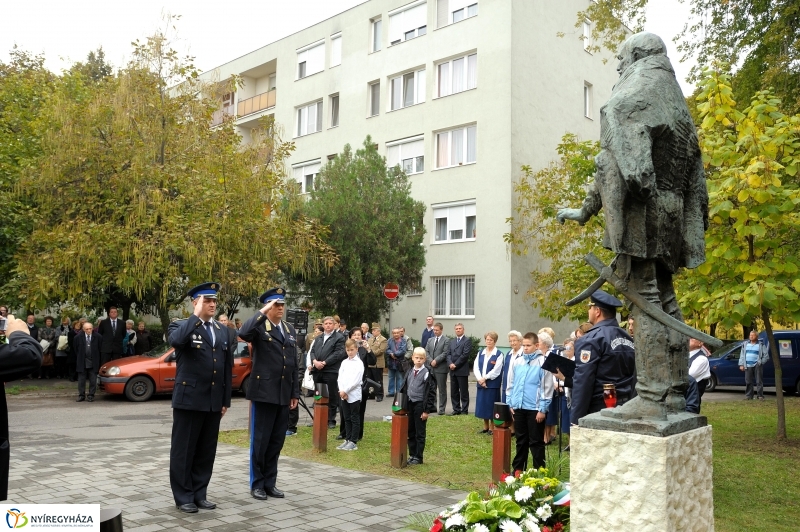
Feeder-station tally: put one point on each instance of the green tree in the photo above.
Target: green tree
(752, 160)
(24, 88)
(136, 194)
(376, 229)
(95, 67)
(562, 273)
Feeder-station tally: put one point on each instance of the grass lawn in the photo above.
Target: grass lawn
(756, 481)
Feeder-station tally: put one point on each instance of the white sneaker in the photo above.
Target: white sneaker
(342, 445)
(351, 446)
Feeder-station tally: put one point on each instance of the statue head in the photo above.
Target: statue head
(639, 46)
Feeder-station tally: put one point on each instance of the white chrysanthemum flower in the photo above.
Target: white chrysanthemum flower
(544, 512)
(454, 520)
(507, 497)
(510, 479)
(492, 492)
(510, 526)
(523, 494)
(479, 528)
(530, 524)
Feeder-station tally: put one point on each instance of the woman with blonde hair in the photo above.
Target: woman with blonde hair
(488, 370)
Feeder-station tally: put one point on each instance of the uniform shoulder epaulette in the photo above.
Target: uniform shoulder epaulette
(267, 325)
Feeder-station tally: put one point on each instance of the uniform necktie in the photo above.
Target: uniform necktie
(415, 372)
(210, 333)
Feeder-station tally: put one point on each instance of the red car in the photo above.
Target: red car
(139, 377)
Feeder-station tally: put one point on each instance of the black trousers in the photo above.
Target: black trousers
(459, 393)
(352, 421)
(530, 438)
(192, 453)
(416, 429)
(361, 411)
(333, 392)
(268, 423)
(92, 374)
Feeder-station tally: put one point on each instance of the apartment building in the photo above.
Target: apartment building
(461, 94)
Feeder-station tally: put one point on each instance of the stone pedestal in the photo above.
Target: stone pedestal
(399, 449)
(623, 481)
(319, 436)
(501, 453)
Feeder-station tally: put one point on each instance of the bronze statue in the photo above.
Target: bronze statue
(651, 185)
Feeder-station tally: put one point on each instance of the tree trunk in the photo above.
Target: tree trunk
(163, 315)
(713, 329)
(776, 361)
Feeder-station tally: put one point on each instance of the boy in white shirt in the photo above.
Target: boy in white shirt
(351, 374)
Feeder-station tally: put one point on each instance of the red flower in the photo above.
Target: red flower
(503, 477)
(558, 527)
(546, 529)
(437, 525)
(517, 473)
(492, 486)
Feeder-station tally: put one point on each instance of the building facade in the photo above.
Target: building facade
(461, 94)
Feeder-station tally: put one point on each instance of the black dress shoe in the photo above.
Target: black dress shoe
(189, 508)
(331, 425)
(259, 494)
(378, 399)
(453, 414)
(274, 492)
(79, 399)
(206, 505)
(90, 398)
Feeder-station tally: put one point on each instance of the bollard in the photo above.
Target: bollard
(110, 520)
(319, 436)
(399, 448)
(501, 441)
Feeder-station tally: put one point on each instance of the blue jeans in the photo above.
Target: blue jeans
(395, 380)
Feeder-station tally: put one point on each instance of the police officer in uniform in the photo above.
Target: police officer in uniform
(201, 397)
(274, 389)
(604, 355)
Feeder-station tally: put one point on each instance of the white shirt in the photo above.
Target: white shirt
(510, 376)
(699, 369)
(351, 373)
(481, 373)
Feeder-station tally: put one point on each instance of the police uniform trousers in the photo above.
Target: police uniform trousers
(192, 453)
(268, 424)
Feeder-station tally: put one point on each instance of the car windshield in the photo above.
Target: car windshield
(725, 349)
(158, 351)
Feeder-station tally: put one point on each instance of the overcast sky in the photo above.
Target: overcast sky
(213, 32)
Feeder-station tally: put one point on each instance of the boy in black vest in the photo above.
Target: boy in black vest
(420, 388)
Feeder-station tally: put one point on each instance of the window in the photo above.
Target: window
(456, 147)
(310, 59)
(336, 49)
(453, 296)
(408, 23)
(407, 89)
(375, 98)
(334, 110)
(454, 223)
(408, 153)
(457, 75)
(376, 35)
(587, 35)
(587, 99)
(306, 174)
(450, 11)
(309, 119)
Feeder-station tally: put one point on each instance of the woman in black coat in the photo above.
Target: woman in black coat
(368, 358)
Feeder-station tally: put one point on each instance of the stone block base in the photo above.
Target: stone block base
(621, 481)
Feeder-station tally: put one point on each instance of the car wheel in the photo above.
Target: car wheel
(139, 388)
(712, 383)
(245, 384)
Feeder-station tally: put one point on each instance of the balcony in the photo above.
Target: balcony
(219, 116)
(257, 103)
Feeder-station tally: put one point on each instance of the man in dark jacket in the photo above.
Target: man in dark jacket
(19, 357)
(458, 351)
(143, 341)
(327, 354)
(112, 331)
(87, 361)
(202, 395)
(274, 389)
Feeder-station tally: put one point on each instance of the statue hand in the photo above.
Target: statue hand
(571, 214)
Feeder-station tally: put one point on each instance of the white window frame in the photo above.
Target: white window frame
(301, 118)
(373, 107)
(376, 34)
(440, 142)
(300, 173)
(588, 98)
(312, 53)
(336, 49)
(587, 35)
(398, 90)
(443, 308)
(408, 33)
(457, 218)
(335, 112)
(416, 167)
(444, 73)
(446, 11)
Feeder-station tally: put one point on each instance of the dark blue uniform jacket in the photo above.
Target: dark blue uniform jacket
(274, 377)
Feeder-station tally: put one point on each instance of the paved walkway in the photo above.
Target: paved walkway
(132, 474)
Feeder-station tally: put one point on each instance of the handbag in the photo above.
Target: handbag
(44, 343)
(308, 380)
(47, 359)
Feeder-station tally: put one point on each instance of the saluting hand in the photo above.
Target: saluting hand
(198, 305)
(266, 307)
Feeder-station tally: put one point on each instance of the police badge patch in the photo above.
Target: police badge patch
(585, 356)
